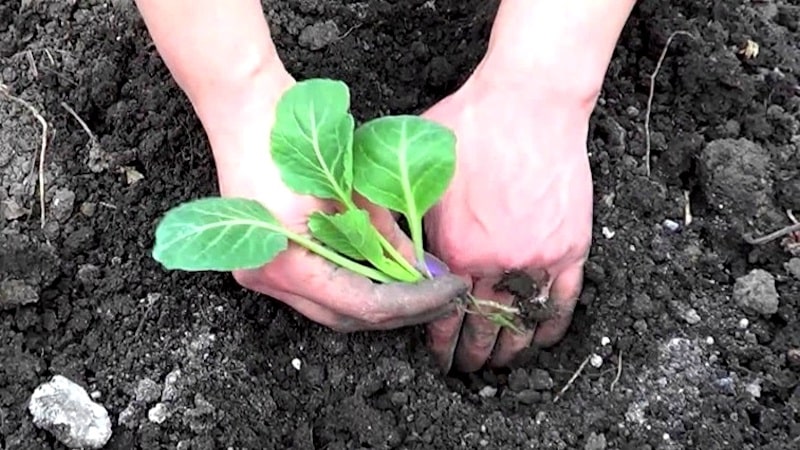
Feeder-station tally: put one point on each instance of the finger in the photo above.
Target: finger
(252, 280)
(352, 295)
(564, 294)
(442, 337)
(509, 345)
(479, 334)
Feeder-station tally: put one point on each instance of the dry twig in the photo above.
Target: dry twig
(572, 379)
(42, 151)
(652, 93)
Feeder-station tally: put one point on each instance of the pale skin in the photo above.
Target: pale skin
(527, 207)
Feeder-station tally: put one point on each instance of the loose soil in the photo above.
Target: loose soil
(697, 370)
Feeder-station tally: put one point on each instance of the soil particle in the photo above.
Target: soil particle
(756, 292)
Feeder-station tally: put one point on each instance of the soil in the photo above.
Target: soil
(701, 368)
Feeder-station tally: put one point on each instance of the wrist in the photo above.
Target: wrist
(559, 48)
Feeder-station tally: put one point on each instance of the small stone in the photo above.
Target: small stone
(63, 204)
(319, 35)
(632, 111)
(529, 397)
(487, 391)
(11, 210)
(65, 409)
(170, 391)
(793, 267)
(297, 364)
(158, 413)
(595, 442)
(691, 316)
(132, 176)
(88, 209)
(608, 233)
(596, 360)
(88, 274)
(756, 291)
(671, 225)
(743, 323)
(605, 341)
(15, 293)
(753, 389)
(127, 417)
(540, 380)
(147, 391)
(518, 380)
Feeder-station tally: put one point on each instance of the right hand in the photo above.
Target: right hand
(316, 288)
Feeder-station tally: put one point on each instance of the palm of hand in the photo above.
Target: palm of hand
(521, 199)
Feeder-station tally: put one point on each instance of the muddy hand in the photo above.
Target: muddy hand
(521, 201)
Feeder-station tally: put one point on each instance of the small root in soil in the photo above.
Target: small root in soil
(619, 373)
(572, 379)
(43, 149)
(652, 93)
(787, 230)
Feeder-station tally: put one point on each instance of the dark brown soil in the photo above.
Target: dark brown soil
(103, 313)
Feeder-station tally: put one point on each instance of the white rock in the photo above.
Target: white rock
(297, 364)
(596, 360)
(64, 409)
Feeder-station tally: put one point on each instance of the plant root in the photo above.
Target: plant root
(750, 239)
(652, 93)
(619, 372)
(572, 379)
(43, 149)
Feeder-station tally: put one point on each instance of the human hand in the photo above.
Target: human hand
(319, 290)
(521, 200)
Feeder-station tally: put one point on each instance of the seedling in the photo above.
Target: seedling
(403, 163)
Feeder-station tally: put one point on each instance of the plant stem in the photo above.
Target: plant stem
(336, 258)
(389, 248)
(415, 226)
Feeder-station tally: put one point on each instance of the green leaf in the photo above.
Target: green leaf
(352, 234)
(218, 234)
(403, 163)
(312, 139)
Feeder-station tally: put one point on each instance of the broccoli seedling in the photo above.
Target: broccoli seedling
(403, 163)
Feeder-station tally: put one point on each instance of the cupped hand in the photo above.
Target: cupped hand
(319, 290)
(521, 200)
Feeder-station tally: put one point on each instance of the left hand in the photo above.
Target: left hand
(521, 199)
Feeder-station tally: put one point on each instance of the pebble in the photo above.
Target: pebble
(158, 413)
(793, 267)
(147, 391)
(605, 341)
(297, 364)
(63, 204)
(487, 391)
(540, 380)
(65, 409)
(518, 380)
(744, 323)
(691, 316)
(15, 292)
(11, 210)
(753, 389)
(596, 360)
(671, 225)
(595, 442)
(319, 35)
(756, 291)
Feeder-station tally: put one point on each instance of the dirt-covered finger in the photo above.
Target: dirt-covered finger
(564, 294)
(479, 334)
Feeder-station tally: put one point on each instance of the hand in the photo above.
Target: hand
(319, 290)
(521, 200)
